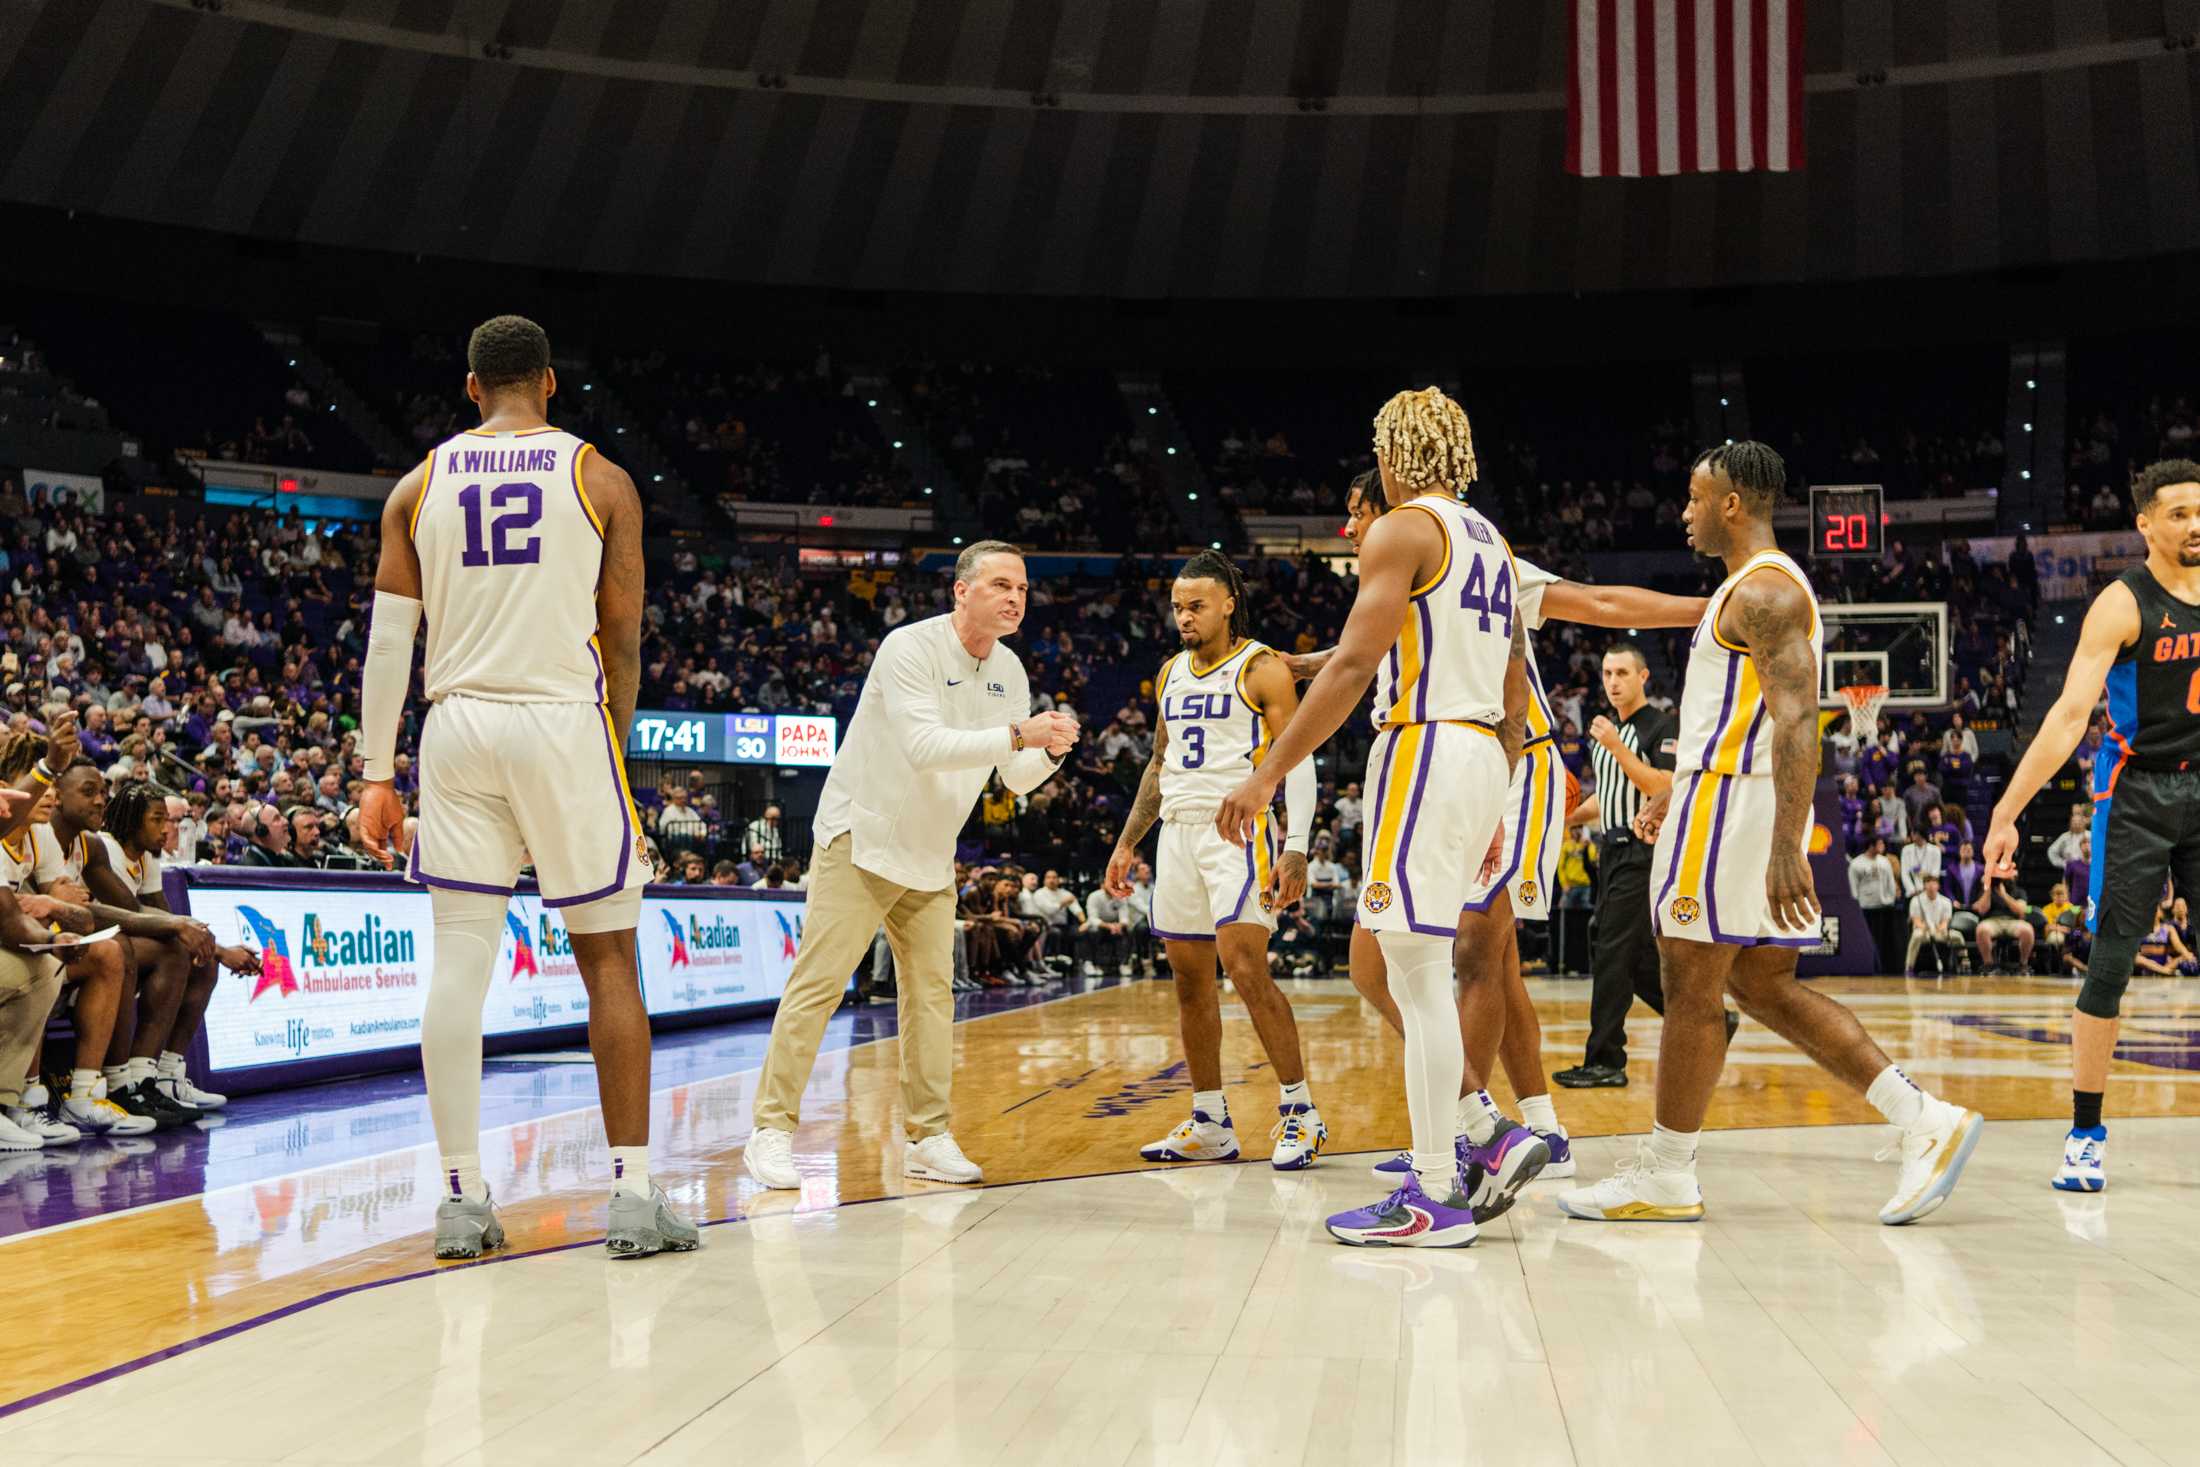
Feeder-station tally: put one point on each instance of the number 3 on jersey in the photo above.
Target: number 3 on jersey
(1195, 746)
(1485, 600)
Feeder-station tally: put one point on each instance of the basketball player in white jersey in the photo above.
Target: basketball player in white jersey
(523, 548)
(1497, 1018)
(1436, 617)
(1731, 893)
(1224, 699)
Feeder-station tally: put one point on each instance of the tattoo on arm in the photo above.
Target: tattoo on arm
(1512, 729)
(1146, 808)
(1776, 628)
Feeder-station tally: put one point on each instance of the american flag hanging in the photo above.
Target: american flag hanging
(1685, 86)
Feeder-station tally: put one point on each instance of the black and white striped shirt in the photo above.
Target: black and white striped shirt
(1649, 732)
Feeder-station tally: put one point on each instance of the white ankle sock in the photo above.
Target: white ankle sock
(462, 1178)
(141, 1068)
(82, 1083)
(630, 1170)
(1478, 1116)
(1896, 1096)
(169, 1066)
(1537, 1113)
(117, 1077)
(1674, 1151)
(1297, 1094)
(1438, 1171)
(1212, 1104)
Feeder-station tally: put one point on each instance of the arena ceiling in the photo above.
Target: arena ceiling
(1131, 148)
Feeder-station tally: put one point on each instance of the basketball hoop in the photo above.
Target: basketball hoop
(1864, 700)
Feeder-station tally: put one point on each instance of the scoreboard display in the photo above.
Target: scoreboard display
(1847, 520)
(788, 740)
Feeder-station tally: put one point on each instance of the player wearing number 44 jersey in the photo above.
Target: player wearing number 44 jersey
(1730, 882)
(1224, 699)
(1435, 627)
(2141, 645)
(524, 549)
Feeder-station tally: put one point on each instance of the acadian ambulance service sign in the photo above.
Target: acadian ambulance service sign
(345, 971)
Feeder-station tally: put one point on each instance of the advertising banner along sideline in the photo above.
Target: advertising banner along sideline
(346, 959)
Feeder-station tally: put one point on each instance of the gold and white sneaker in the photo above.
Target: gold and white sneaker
(1933, 1154)
(96, 1115)
(1638, 1192)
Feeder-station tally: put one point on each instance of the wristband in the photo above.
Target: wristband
(1015, 739)
(41, 773)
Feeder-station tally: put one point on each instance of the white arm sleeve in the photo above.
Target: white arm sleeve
(1298, 805)
(384, 680)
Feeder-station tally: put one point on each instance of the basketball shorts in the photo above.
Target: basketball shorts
(1202, 883)
(2146, 832)
(506, 784)
(1438, 793)
(1534, 822)
(1707, 874)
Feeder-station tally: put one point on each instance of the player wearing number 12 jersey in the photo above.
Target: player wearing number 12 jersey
(524, 549)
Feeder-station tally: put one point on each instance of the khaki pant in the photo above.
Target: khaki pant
(846, 906)
(28, 985)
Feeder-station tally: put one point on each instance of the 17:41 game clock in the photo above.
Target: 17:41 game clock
(1847, 520)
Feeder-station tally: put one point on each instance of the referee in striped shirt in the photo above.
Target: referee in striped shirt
(1633, 761)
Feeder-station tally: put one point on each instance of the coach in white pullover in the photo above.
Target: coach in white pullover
(943, 708)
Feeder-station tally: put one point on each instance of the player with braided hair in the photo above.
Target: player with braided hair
(1224, 700)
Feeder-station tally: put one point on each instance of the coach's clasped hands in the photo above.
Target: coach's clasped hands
(1054, 731)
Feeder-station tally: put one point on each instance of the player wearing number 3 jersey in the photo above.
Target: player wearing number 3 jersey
(524, 550)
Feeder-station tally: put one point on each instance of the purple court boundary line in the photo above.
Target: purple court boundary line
(229, 1331)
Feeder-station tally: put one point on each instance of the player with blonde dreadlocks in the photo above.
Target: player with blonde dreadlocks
(1435, 618)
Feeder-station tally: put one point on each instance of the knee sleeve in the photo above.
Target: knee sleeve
(2107, 974)
(1421, 984)
(468, 926)
(617, 912)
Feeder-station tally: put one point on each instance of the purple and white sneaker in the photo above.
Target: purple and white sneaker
(1496, 1170)
(1561, 1164)
(1395, 1170)
(1407, 1218)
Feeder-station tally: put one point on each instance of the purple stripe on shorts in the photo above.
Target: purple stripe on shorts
(1371, 817)
(626, 824)
(1711, 858)
(1413, 815)
(1181, 936)
(1726, 706)
(1237, 909)
(414, 873)
(1680, 846)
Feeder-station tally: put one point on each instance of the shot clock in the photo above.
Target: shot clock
(1847, 520)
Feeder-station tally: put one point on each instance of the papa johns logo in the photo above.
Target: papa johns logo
(1685, 910)
(1376, 896)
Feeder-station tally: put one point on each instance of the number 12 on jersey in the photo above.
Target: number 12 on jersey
(1487, 600)
(525, 501)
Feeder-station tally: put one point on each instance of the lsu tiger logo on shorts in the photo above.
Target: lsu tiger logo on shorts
(1527, 891)
(1267, 900)
(1376, 898)
(1685, 910)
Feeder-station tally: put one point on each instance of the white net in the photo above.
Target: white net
(1864, 700)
